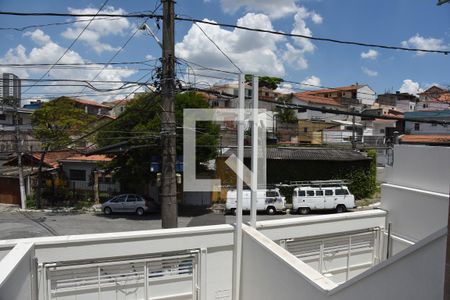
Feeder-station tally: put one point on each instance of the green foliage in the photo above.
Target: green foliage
(58, 121)
(30, 201)
(265, 81)
(140, 125)
(285, 115)
(364, 181)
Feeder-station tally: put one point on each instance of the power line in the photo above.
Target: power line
(73, 43)
(446, 52)
(148, 15)
(80, 64)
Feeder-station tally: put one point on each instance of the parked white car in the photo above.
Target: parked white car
(308, 198)
(268, 200)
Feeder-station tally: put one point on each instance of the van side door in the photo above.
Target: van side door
(320, 199)
(329, 198)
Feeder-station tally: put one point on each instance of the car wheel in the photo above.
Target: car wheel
(341, 208)
(303, 210)
(233, 211)
(140, 211)
(271, 210)
(107, 210)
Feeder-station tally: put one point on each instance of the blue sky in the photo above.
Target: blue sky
(418, 23)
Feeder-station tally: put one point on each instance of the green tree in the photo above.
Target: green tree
(140, 127)
(286, 115)
(54, 125)
(266, 81)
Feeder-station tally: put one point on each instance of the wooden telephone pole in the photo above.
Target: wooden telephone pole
(168, 193)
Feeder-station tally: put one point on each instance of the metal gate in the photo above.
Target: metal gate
(157, 277)
(338, 256)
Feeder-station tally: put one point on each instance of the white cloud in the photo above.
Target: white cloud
(369, 72)
(254, 53)
(310, 82)
(274, 9)
(369, 54)
(285, 88)
(316, 18)
(295, 57)
(411, 87)
(421, 42)
(47, 51)
(98, 29)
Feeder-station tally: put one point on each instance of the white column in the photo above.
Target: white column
(254, 152)
(237, 253)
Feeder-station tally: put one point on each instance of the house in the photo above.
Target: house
(92, 107)
(7, 119)
(116, 107)
(348, 95)
(434, 98)
(297, 163)
(419, 128)
(9, 173)
(400, 101)
(83, 171)
(311, 131)
(342, 132)
(305, 98)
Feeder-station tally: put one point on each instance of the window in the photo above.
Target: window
(328, 192)
(319, 193)
(2, 117)
(305, 129)
(310, 193)
(382, 130)
(131, 198)
(341, 192)
(301, 193)
(271, 194)
(77, 175)
(416, 126)
(301, 110)
(119, 199)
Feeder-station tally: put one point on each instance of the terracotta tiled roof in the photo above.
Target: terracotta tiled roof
(316, 99)
(444, 98)
(51, 158)
(116, 102)
(90, 158)
(90, 102)
(425, 139)
(337, 89)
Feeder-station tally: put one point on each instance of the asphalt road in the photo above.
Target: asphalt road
(18, 224)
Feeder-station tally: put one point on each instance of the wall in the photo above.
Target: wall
(16, 269)
(85, 185)
(421, 167)
(366, 95)
(9, 192)
(270, 272)
(217, 241)
(425, 128)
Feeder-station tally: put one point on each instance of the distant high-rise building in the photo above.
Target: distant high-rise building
(10, 86)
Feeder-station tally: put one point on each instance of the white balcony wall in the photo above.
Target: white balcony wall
(16, 273)
(421, 167)
(270, 272)
(414, 213)
(214, 242)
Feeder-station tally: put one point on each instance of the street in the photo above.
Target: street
(16, 224)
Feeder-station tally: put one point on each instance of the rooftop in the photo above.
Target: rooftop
(425, 139)
(305, 96)
(305, 153)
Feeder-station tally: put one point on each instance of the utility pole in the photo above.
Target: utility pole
(353, 131)
(15, 104)
(168, 193)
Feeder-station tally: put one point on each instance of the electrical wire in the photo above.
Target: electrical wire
(71, 45)
(179, 18)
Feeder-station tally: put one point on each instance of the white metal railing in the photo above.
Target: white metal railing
(165, 277)
(340, 256)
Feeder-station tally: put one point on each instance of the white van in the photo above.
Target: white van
(307, 198)
(268, 200)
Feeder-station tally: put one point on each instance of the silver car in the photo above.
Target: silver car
(128, 203)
